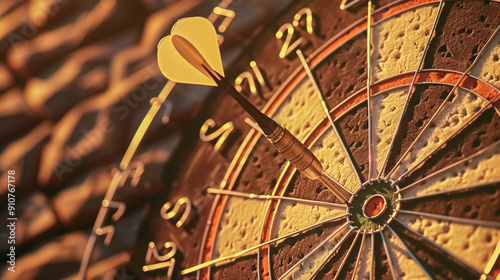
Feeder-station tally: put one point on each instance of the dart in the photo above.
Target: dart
(191, 55)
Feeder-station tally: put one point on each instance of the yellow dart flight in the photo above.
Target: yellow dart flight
(192, 43)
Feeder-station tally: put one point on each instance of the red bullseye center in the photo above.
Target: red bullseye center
(374, 206)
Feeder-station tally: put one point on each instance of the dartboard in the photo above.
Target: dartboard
(397, 100)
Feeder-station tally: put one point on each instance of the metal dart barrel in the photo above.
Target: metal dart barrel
(303, 159)
(296, 153)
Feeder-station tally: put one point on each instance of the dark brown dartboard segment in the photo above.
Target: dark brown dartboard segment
(459, 38)
(282, 254)
(333, 266)
(304, 187)
(481, 133)
(381, 263)
(343, 72)
(261, 170)
(244, 268)
(353, 127)
(422, 105)
(287, 253)
(477, 204)
(435, 261)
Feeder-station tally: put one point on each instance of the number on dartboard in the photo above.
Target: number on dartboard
(133, 172)
(119, 206)
(221, 12)
(222, 133)
(222, 15)
(165, 261)
(288, 30)
(168, 213)
(257, 74)
(346, 4)
(109, 231)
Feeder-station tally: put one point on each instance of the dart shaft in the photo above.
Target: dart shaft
(267, 124)
(335, 189)
(285, 142)
(288, 145)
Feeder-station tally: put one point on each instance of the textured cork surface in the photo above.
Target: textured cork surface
(364, 261)
(475, 248)
(334, 159)
(299, 118)
(456, 114)
(240, 226)
(385, 121)
(403, 265)
(399, 42)
(488, 65)
(480, 170)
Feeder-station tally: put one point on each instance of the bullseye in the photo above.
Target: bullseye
(374, 206)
